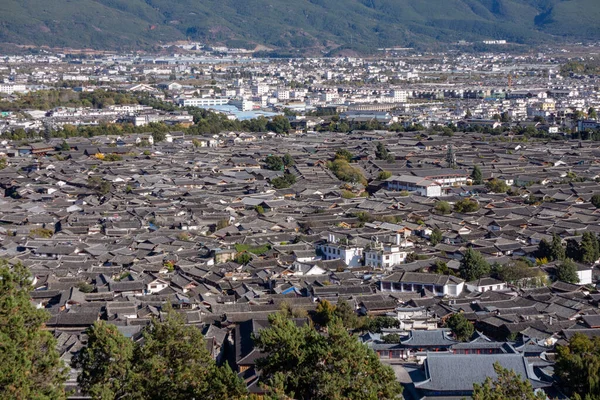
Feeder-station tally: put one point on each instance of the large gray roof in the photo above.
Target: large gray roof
(457, 373)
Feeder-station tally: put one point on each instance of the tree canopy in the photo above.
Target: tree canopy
(473, 265)
(476, 175)
(578, 367)
(105, 362)
(566, 271)
(507, 386)
(171, 363)
(460, 326)
(553, 250)
(304, 364)
(466, 206)
(30, 366)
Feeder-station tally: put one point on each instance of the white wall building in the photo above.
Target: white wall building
(385, 255)
(203, 102)
(414, 184)
(10, 88)
(341, 249)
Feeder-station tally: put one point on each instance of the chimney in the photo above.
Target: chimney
(398, 239)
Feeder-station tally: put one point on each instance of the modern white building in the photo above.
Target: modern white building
(385, 255)
(342, 249)
(203, 102)
(10, 88)
(415, 184)
(411, 282)
(242, 104)
(485, 285)
(399, 96)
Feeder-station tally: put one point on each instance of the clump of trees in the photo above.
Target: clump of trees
(172, 362)
(304, 364)
(578, 367)
(466, 206)
(382, 153)
(30, 365)
(277, 163)
(518, 271)
(283, 182)
(473, 265)
(586, 251)
(343, 170)
(497, 186)
(99, 185)
(442, 207)
(460, 326)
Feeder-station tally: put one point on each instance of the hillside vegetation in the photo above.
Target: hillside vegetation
(321, 24)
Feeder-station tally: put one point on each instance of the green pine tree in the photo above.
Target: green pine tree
(477, 176)
(507, 386)
(566, 271)
(303, 364)
(105, 363)
(30, 366)
(460, 326)
(173, 363)
(473, 265)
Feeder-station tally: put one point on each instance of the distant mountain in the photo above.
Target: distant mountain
(317, 24)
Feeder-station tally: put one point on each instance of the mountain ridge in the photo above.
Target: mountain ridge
(294, 24)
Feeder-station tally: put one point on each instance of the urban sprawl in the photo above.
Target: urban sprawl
(450, 201)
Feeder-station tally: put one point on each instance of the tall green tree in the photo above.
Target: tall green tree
(595, 200)
(307, 365)
(590, 250)
(573, 250)
(578, 367)
(30, 366)
(507, 386)
(105, 363)
(324, 312)
(382, 153)
(436, 236)
(173, 363)
(557, 251)
(274, 163)
(476, 175)
(473, 265)
(288, 160)
(566, 271)
(279, 124)
(346, 314)
(460, 326)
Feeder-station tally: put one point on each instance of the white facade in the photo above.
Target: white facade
(242, 105)
(203, 102)
(421, 186)
(411, 282)
(485, 285)
(10, 88)
(385, 255)
(585, 276)
(399, 96)
(260, 89)
(335, 249)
